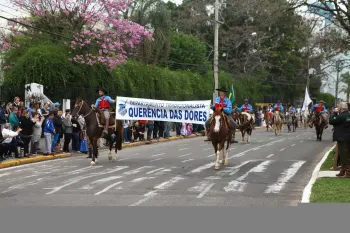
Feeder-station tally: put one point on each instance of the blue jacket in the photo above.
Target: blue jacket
(280, 106)
(293, 110)
(49, 126)
(316, 105)
(109, 99)
(249, 107)
(2, 116)
(227, 102)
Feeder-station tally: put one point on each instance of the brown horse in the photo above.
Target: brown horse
(94, 129)
(246, 125)
(219, 134)
(267, 119)
(277, 123)
(319, 125)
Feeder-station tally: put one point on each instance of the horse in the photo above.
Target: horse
(304, 119)
(246, 125)
(267, 120)
(220, 134)
(319, 125)
(277, 122)
(291, 121)
(95, 127)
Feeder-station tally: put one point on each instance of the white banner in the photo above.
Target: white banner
(196, 112)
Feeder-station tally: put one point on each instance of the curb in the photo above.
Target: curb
(308, 188)
(36, 159)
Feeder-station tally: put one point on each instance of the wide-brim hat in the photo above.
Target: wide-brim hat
(101, 89)
(321, 101)
(246, 100)
(223, 89)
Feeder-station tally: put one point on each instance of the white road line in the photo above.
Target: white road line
(137, 170)
(187, 160)
(290, 138)
(184, 155)
(136, 154)
(205, 190)
(162, 172)
(261, 141)
(233, 148)
(123, 159)
(236, 168)
(204, 145)
(183, 149)
(161, 187)
(93, 184)
(213, 178)
(297, 136)
(207, 149)
(301, 141)
(140, 179)
(309, 138)
(238, 185)
(292, 145)
(282, 149)
(153, 171)
(108, 188)
(253, 138)
(183, 145)
(157, 155)
(284, 178)
(269, 156)
(23, 185)
(161, 149)
(210, 155)
(153, 160)
(79, 178)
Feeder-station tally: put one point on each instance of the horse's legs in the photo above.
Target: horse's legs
(94, 160)
(221, 146)
(243, 134)
(110, 142)
(225, 156)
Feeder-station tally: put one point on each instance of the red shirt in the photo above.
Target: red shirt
(104, 104)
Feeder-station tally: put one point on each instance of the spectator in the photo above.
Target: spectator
(341, 135)
(20, 109)
(126, 129)
(57, 121)
(8, 110)
(2, 115)
(167, 129)
(75, 135)
(49, 131)
(9, 141)
(27, 131)
(13, 118)
(4, 148)
(67, 129)
(16, 102)
(37, 129)
(150, 126)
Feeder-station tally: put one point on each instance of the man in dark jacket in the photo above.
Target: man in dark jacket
(341, 123)
(2, 115)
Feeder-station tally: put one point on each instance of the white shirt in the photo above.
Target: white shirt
(10, 133)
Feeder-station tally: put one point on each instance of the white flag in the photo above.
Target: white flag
(307, 101)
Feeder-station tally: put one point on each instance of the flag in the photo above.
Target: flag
(232, 95)
(307, 101)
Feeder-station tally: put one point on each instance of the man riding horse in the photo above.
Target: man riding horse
(319, 109)
(278, 107)
(103, 104)
(226, 104)
(246, 107)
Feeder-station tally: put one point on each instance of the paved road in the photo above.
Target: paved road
(270, 171)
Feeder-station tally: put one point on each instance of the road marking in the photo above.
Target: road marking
(183, 149)
(233, 148)
(79, 178)
(184, 155)
(205, 190)
(213, 178)
(238, 185)
(207, 149)
(282, 149)
(187, 160)
(123, 159)
(161, 149)
(153, 171)
(261, 141)
(253, 138)
(93, 184)
(137, 170)
(162, 172)
(108, 188)
(210, 155)
(301, 141)
(157, 155)
(204, 144)
(153, 160)
(136, 154)
(235, 169)
(292, 145)
(297, 136)
(309, 138)
(290, 138)
(5, 174)
(269, 156)
(137, 180)
(183, 145)
(24, 185)
(284, 178)
(161, 187)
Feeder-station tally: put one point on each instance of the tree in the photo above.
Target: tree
(345, 78)
(96, 31)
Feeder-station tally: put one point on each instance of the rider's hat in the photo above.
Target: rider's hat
(223, 89)
(321, 101)
(101, 89)
(245, 100)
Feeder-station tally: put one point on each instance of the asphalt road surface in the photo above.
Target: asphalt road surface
(272, 170)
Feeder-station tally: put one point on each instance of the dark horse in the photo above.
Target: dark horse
(220, 133)
(246, 125)
(94, 129)
(319, 125)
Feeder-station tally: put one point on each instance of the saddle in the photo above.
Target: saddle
(101, 120)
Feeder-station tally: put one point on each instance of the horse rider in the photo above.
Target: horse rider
(246, 107)
(279, 107)
(319, 109)
(103, 103)
(225, 101)
(292, 109)
(269, 108)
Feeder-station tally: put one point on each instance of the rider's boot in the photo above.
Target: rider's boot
(105, 131)
(342, 171)
(347, 171)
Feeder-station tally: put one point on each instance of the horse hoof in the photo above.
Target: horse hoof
(110, 157)
(92, 163)
(226, 163)
(217, 166)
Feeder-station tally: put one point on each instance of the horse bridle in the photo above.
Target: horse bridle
(81, 105)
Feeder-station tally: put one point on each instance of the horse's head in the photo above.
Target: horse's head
(79, 108)
(218, 119)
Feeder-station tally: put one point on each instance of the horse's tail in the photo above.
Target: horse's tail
(119, 135)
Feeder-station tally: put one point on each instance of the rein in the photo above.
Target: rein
(82, 103)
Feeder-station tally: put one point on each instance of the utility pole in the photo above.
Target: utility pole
(337, 66)
(216, 50)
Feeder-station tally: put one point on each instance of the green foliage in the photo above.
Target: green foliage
(326, 97)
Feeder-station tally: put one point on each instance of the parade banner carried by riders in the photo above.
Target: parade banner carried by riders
(195, 112)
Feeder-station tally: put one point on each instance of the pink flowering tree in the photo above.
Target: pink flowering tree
(94, 29)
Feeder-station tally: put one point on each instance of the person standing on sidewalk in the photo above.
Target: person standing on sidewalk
(27, 130)
(67, 128)
(49, 131)
(2, 115)
(341, 123)
(57, 122)
(37, 129)
(75, 135)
